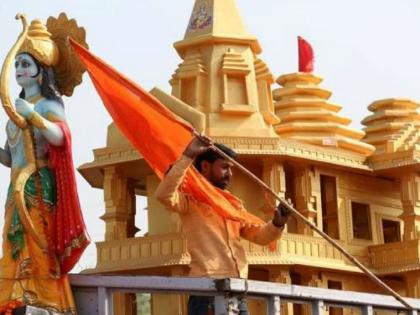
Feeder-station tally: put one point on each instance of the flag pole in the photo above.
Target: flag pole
(295, 212)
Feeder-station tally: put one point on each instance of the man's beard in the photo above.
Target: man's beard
(220, 183)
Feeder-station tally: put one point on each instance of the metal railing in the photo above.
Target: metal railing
(93, 294)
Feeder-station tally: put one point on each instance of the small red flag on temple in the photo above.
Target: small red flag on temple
(306, 56)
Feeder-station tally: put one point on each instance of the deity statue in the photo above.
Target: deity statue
(44, 234)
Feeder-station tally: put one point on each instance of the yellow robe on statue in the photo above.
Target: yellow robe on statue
(27, 273)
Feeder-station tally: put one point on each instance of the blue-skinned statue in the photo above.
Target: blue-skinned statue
(44, 233)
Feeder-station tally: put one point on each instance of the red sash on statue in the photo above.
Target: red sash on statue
(70, 235)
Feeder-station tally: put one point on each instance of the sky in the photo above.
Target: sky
(364, 50)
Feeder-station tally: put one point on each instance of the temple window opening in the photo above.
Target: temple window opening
(290, 194)
(336, 285)
(391, 230)
(235, 71)
(236, 86)
(140, 216)
(360, 213)
(329, 205)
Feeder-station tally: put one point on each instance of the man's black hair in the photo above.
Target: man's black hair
(211, 156)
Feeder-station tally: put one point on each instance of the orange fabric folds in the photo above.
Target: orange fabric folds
(158, 134)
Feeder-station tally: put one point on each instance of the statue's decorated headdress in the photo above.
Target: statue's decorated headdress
(39, 44)
(49, 45)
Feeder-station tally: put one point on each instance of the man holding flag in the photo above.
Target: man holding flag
(213, 220)
(213, 241)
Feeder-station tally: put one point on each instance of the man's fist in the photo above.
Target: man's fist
(282, 214)
(198, 145)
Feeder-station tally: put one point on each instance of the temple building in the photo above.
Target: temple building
(359, 187)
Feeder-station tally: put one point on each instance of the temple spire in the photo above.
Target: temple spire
(216, 21)
(215, 17)
(221, 74)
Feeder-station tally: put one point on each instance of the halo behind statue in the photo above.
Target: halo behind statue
(69, 69)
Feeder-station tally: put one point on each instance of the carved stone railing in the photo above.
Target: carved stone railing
(142, 252)
(303, 250)
(395, 257)
(171, 249)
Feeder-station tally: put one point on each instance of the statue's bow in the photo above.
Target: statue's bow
(4, 78)
(20, 181)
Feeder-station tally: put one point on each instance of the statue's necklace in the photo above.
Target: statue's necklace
(34, 99)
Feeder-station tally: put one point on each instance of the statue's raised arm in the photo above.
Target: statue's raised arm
(40, 248)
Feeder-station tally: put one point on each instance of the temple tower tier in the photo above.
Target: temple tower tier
(306, 115)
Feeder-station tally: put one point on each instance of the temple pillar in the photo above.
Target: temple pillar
(412, 282)
(410, 199)
(305, 197)
(119, 205)
(273, 175)
(120, 202)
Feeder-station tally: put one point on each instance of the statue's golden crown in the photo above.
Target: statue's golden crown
(39, 44)
(48, 44)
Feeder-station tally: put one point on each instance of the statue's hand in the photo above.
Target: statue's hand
(24, 108)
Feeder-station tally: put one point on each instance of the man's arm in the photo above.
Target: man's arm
(265, 234)
(167, 191)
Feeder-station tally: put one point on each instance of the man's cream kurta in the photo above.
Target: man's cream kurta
(213, 242)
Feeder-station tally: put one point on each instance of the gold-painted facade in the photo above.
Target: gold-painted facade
(360, 187)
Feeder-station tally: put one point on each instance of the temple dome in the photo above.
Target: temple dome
(306, 115)
(393, 126)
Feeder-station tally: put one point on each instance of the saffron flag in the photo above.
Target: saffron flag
(306, 56)
(158, 134)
